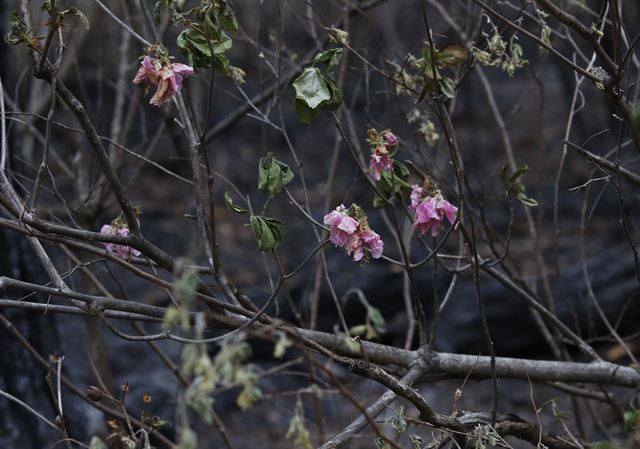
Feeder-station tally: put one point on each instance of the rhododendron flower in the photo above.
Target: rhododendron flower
(349, 229)
(383, 145)
(391, 139)
(168, 77)
(429, 210)
(122, 251)
(380, 162)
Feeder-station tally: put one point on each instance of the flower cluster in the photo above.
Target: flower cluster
(430, 208)
(383, 145)
(121, 230)
(167, 76)
(350, 230)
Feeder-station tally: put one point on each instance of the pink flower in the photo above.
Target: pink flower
(342, 226)
(354, 235)
(416, 195)
(391, 139)
(168, 78)
(375, 243)
(380, 162)
(383, 145)
(122, 251)
(449, 210)
(427, 216)
(430, 210)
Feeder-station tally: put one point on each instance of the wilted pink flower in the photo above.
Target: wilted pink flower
(168, 77)
(342, 226)
(390, 139)
(416, 195)
(375, 243)
(354, 235)
(383, 144)
(122, 251)
(429, 211)
(380, 162)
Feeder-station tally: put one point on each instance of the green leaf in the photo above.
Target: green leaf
(18, 31)
(273, 175)
(157, 11)
(330, 57)
(227, 18)
(386, 184)
(519, 172)
(416, 441)
(268, 231)
(210, 29)
(171, 317)
(447, 86)
(197, 46)
(524, 199)
(281, 345)
(376, 319)
(229, 202)
(188, 439)
(155, 422)
(185, 287)
(311, 87)
(297, 428)
(399, 422)
(249, 395)
(353, 345)
(335, 101)
(515, 187)
(201, 404)
(304, 112)
(79, 14)
(451, 55)
(97, 443)
(221, 63)
(358, 329)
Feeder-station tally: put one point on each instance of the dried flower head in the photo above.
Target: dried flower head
(94, 394)
(430, 207)
(162, 73)
(118, 227)
(383, 146)
(350, 230)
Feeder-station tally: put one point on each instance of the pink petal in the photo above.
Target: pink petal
(416, 196)
(348, 224)
(182, 70)
(358, 254)
(334, 217)
(391, 139)
(449, 210)
(427, 210)
(147, 71)
(375, 243)
(166, 90)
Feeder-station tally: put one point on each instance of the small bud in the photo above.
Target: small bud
(95, 394)
(124, 387)
(146, 398)
(458, 394)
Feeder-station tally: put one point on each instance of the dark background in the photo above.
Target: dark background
(535, 105)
